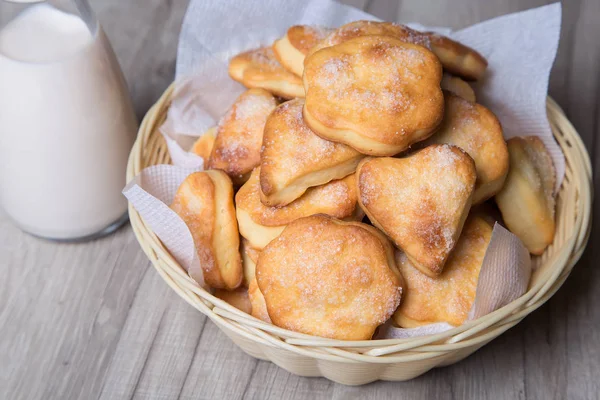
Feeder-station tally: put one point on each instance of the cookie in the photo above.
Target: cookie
(420, 201)
(527, 199)
(329, 278)
(294, 158)
(259, 68)
(205, 203)
(376, 94)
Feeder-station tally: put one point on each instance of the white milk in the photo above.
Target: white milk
(66, 125)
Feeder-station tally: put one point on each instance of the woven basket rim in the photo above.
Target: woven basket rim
(471, 333)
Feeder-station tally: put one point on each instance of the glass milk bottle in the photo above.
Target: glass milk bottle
(66, 121)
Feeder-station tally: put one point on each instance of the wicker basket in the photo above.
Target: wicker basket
(360, 362)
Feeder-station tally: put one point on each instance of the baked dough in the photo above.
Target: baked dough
(355, 29)
(456, 58)
(260, 224)
(294, 158)
(449, 296)
(291, 49)
(238, 298)
(420, 201)
(205, 203)
(257, 300)
(204, 145)
(239, 135)
(259, 68)
(527, 199)
(376, 94)
(249, 258)
(329, 278)
(476, 130)
(458, 86)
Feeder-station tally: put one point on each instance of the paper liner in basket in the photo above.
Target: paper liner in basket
(151, 192)
(504, 274)
(519, 47)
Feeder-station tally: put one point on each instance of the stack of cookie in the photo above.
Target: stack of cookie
(357, 168)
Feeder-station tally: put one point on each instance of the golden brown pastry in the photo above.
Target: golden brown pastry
(376, 94)
(249, 258)
(205, 203)
(294, 158)
(238, 298)
(329, 278)
(291, 49)
(458, 86)
(259, 68)
(420, 201)
(449, 296)
(476, 130)
(527, 201)
(204, 144)
(239, 135)
(356, 29)
(456, 58)
(260, 224)
(259, 307)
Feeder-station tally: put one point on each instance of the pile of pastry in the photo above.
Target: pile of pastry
(356, 180)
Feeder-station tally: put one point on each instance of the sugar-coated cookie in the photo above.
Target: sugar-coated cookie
(329, 278)
(260, 224)
(376, 94)
(420, 201)
(456, 58)
(259, 68)
(205, 203)
(527, 199)
(449, 296)
(238, 141)
(294, 158)
(291, 49)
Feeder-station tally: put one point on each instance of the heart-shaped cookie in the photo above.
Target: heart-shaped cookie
(420, 201)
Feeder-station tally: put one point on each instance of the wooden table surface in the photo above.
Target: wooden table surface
(95, 320)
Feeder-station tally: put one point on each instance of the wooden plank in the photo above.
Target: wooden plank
(157, 343)
(63, 307)
(219, 368)
(271, 382)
